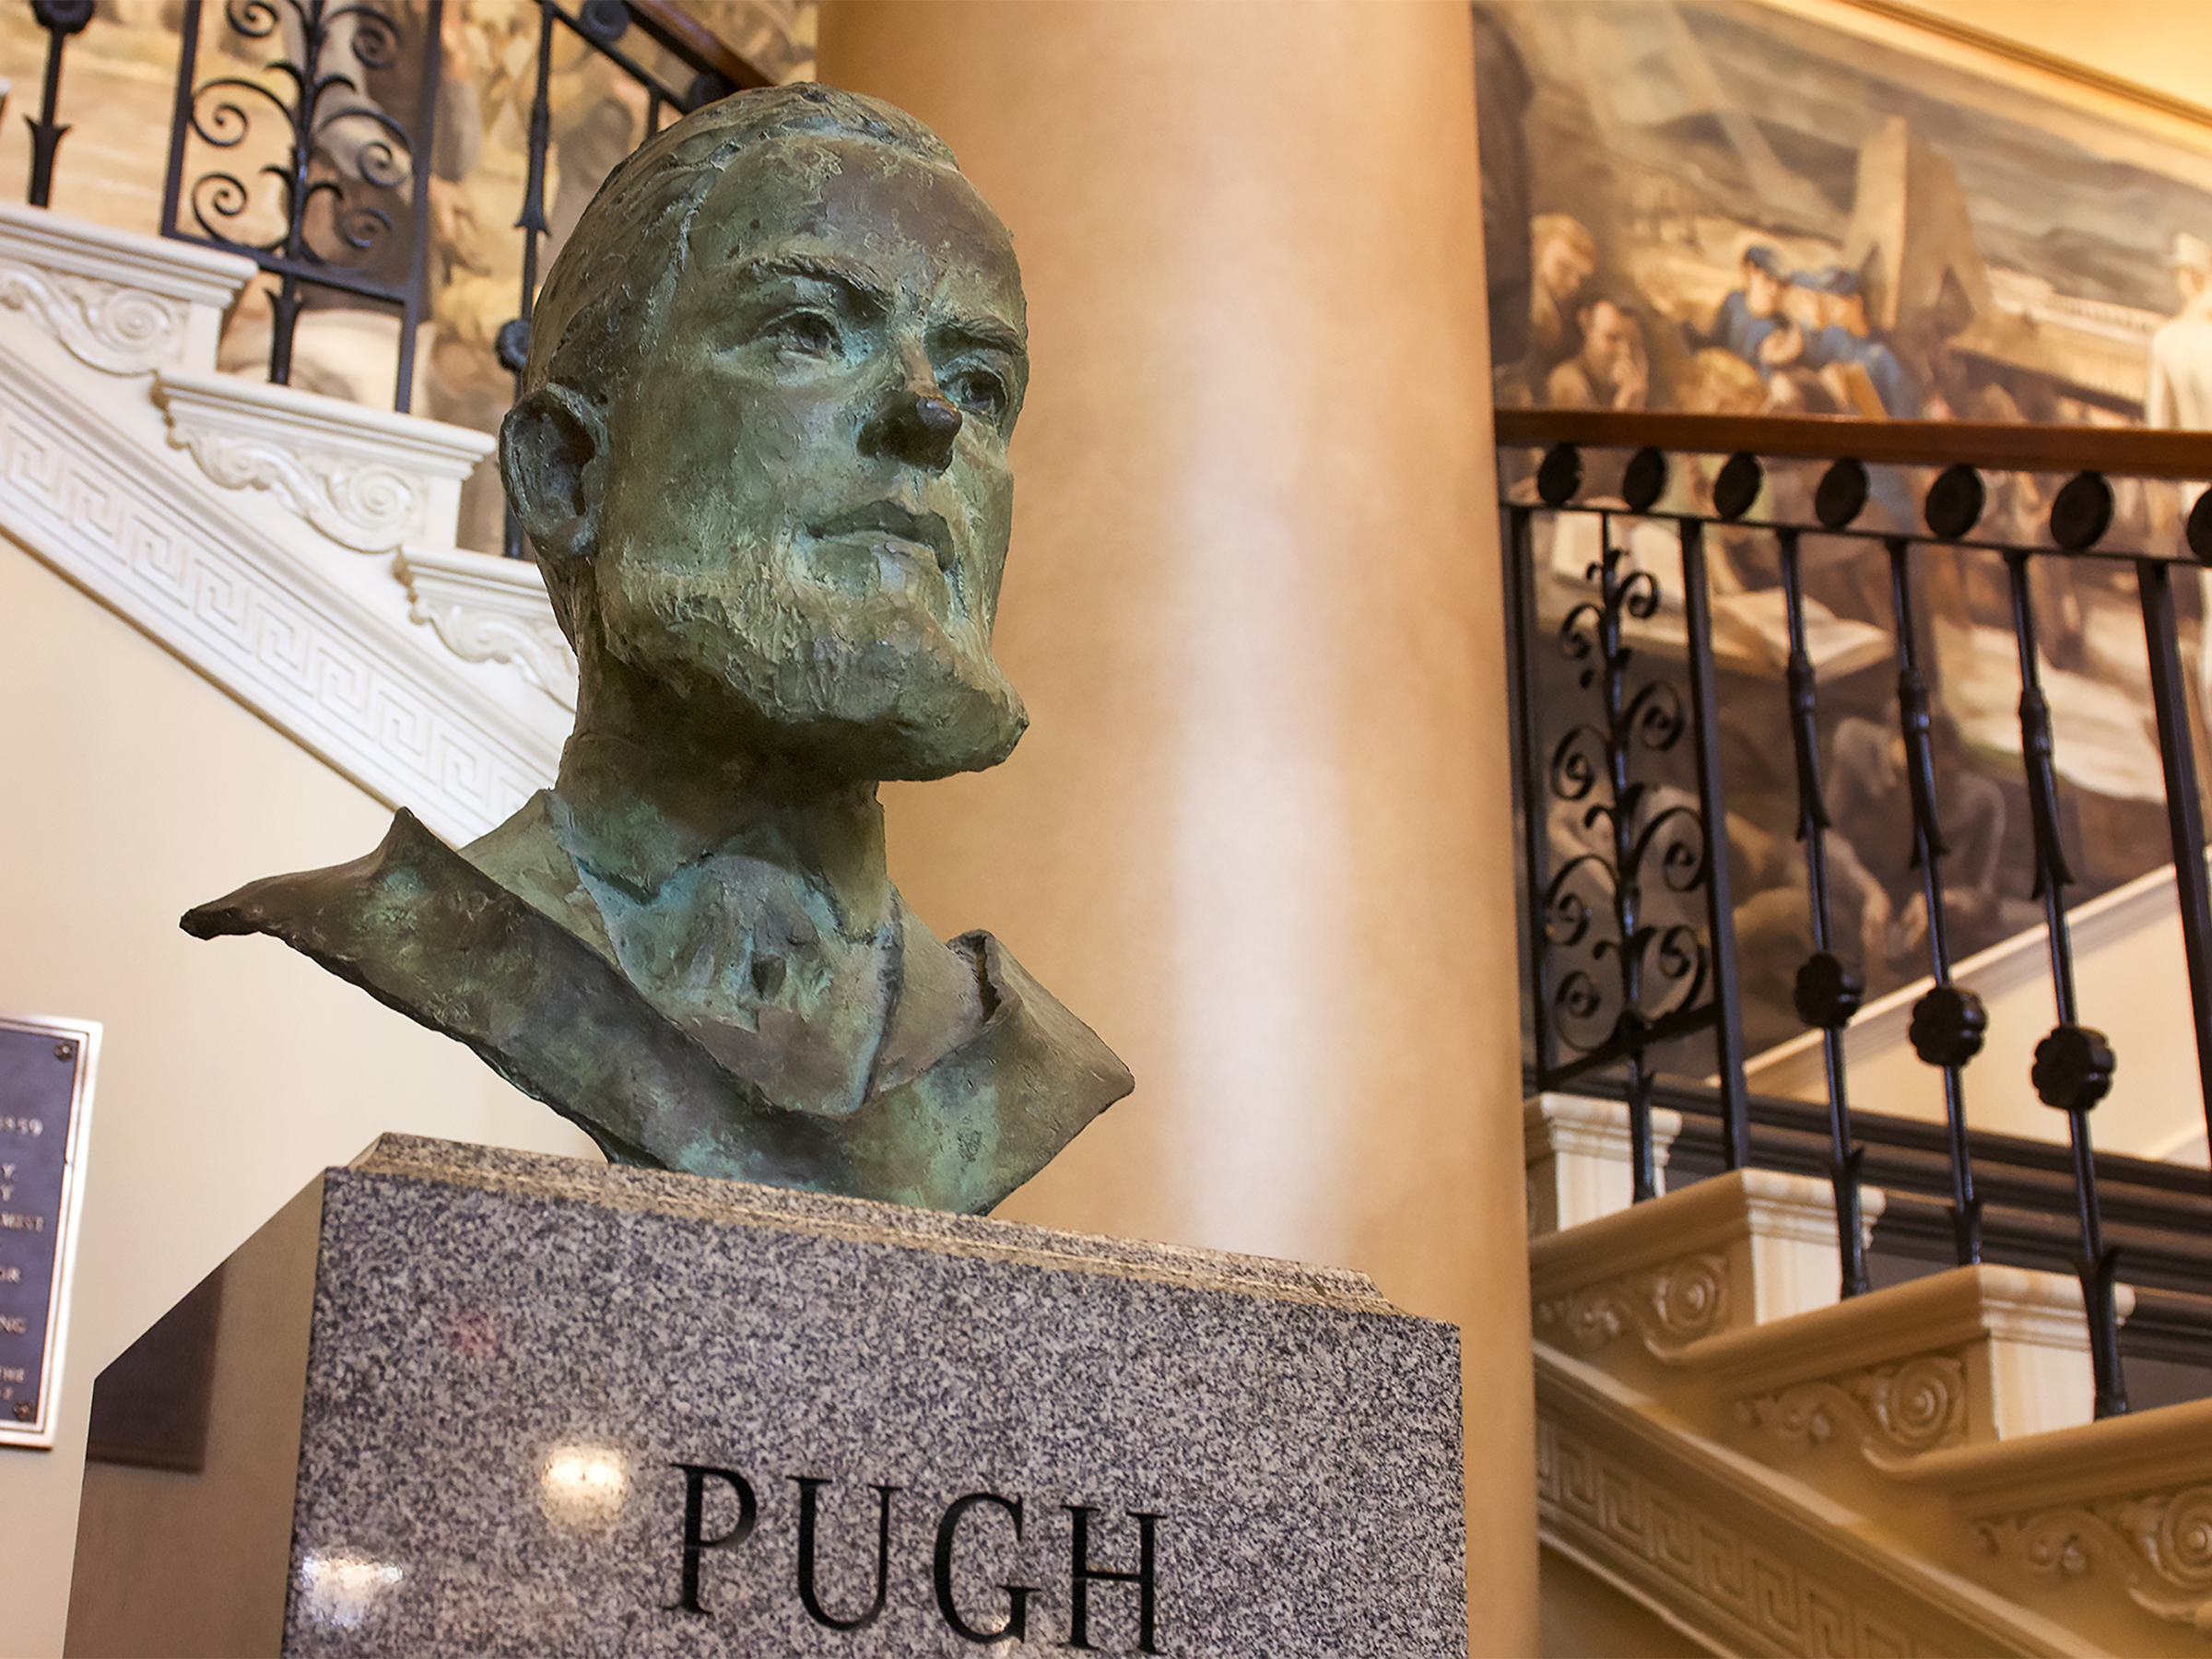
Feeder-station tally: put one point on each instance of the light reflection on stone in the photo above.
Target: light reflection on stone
(582, 1489)
(338, 1587)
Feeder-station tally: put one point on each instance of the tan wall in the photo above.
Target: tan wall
(230, 1072)
(1582, 1616)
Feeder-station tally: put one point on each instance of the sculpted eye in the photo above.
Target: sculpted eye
(808, 332)
(981, 393)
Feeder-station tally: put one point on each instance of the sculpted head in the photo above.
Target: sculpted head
(761, 450)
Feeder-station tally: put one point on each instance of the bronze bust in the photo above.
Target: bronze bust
(761, 455)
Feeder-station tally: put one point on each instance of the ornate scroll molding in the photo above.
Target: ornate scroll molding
(119, 330)
(2158, 1543)
(1669, 1306)
(120, 303)
(368, 479)
(1894, 1412)
(297, 632)
(491, 609)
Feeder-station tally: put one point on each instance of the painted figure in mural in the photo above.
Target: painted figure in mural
(1562, 258)
(1752, 324)
(1610, 371)
(2180, 393)
(1847, 340)
(762, 454)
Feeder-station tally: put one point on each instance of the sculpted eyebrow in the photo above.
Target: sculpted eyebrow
(987, 332)
(857, 279)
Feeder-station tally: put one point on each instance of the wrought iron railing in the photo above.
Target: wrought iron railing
(60, 19)
(1631, 539)
(315, 143)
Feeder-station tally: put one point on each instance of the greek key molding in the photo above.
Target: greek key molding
(1668, 1307)
(2159, 1543)
(369, 480)
(1892, 1413)
(290, 630)
(1735, 1580)
(490, 609)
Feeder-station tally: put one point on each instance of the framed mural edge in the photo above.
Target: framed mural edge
(1894, 22)
(1846, 207)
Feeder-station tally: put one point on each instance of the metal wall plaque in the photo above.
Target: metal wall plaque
(45, 1101)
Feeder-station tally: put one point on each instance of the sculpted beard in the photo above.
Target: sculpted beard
(877, 683)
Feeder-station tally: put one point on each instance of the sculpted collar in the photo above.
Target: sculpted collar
(423, 931)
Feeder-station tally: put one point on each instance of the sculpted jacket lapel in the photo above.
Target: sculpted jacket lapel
(422, 930)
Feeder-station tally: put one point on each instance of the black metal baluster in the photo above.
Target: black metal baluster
(179, 125)
(2074, 1064)
(1829, 991)
(2184, 809)
(425, 151)
(1535, 843)
(1720, 910)
(60, 19)
(1949, 1021)
(1590, 767)
(291, 298)
(1621, 816)
(514, 342)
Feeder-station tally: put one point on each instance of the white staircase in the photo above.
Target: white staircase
(1726, 1443)
(295, 550)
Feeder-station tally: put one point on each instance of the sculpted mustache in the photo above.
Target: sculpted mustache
(887, 518)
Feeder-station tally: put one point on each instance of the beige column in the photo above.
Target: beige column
(1259, 834)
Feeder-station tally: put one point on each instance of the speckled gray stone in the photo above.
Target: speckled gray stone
(510, 1356)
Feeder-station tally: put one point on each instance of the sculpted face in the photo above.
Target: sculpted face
(807, 498)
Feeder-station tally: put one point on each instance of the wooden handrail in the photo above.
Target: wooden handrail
(2123, 451)
(697, 44)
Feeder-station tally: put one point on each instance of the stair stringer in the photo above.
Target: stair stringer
(1741, 1558)
(315, 639)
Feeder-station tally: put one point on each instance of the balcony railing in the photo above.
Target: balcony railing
(327, 141)
(1771, 755)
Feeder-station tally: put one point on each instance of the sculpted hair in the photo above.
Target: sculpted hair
(606, 298)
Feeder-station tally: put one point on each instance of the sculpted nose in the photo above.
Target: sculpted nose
(920, 428)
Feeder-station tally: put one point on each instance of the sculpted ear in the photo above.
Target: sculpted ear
(552, 459)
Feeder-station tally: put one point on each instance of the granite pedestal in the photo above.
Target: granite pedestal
(479, 1402)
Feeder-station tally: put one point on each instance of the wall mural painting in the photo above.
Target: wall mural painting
(1814, 208)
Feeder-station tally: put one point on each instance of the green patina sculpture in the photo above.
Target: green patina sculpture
(762, 454)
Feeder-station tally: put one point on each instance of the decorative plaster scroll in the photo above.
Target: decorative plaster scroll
(368, 479)
(1735, 1579)
(118, 330)
(1669, 1306)
(2161, 1541)
(325, 659)
(363, 505)
(491, 609)
(1898, 1411)
(121, 302)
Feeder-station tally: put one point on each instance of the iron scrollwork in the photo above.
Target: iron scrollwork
(1630, 976)
(349, 172)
